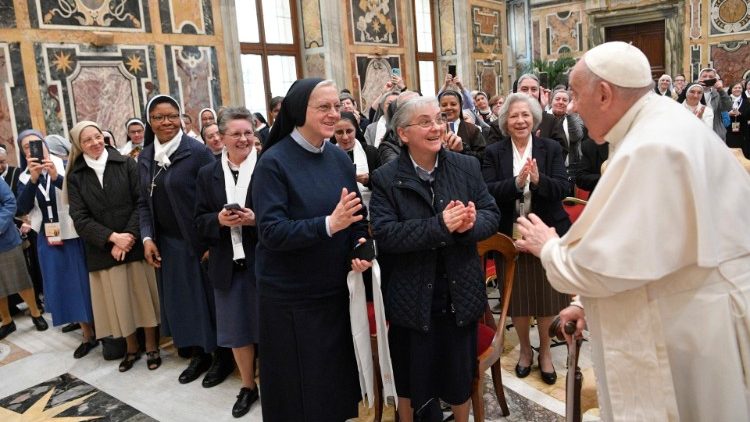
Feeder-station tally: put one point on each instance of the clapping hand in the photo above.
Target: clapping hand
(346, 212)
(470, 218)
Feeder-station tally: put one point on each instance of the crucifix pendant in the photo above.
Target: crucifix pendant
(153, 185)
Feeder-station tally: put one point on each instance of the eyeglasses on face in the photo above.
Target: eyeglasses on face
(426, 123)
(326, 108)
(160, 117)
(249, 135)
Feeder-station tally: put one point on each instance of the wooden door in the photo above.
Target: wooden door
(648, 36)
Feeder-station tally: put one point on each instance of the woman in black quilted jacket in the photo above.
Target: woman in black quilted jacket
(429, 209)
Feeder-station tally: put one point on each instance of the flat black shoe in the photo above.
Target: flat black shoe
(548, 377)
(71, 327)
(524, 371)
(245, 401)
(129, 360)
(217, 373)
(7, 329)
(85, 348)
(40, 323)
(153, 360)
(198, 365)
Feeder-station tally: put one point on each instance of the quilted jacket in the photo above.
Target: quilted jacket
(410, 232)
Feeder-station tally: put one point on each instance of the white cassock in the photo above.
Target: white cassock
(661, 259)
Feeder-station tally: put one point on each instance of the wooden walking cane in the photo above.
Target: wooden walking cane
(574, 379)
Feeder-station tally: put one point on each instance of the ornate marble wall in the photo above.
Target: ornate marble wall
(489, 35)
(64, 61)
(698, 33)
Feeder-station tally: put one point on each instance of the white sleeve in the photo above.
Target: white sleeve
(568, 277)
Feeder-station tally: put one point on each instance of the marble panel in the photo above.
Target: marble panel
(563, 34)
(372, 75)
(63, 95)
(67, 398)
(315, 65)
(186, 17)
(488, 76)
(731, 59)
(311, 25)
(374, 22)
(193, 81)
(7, 14)
(696, 11)
(695, 61)
(536, 41)
(104, 94)
(729, 17)
(9, 352)
(486, 30)
(128, 16)
(14, 102)
(447, 27)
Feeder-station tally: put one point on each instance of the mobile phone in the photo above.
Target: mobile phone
(396, 72)
(232, 207)
(452, 69)
(710, 82)
(447, 123)
(366, 251)
(544, 79)
(36, 149)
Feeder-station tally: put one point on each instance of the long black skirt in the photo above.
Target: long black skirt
(308, 371)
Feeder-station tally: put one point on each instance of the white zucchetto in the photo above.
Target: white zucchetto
(619, 63)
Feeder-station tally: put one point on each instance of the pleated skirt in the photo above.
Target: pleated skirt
(124, 298)
(67, 294)
(13, 274)
(186, 298)
(532, 294)
(308, 371)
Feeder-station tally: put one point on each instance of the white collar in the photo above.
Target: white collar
(304, 143)
(162, 152)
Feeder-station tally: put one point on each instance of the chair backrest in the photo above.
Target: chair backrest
(503, 245)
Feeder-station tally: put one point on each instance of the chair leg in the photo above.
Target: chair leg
(497, 381)
(477, 399)
(378, 399)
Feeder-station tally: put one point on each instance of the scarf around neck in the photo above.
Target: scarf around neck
(98, 165)
(237, 193)
(162, 152)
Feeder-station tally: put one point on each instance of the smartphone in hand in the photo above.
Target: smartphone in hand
(396, 72)
(365, 251)
(232, 207)
(36, 149)
(452, 70)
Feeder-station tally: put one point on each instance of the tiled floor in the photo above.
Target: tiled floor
(32, 363)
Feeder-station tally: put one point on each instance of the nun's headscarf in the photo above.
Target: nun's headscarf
(76, 150)
(58, 145)
(148, 136)
(200, 117)
(133, 121)
(345, 115)
(460, 101)
(293, 110)
(683, 95)
(22, 164)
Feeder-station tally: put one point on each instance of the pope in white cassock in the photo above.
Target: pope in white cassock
(661, 254)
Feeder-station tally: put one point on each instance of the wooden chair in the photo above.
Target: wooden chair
(490, 339)
(573, 205)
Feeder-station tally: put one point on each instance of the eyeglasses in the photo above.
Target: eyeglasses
(326, 108)
(160, 118)
(428, 123)
(237, 136)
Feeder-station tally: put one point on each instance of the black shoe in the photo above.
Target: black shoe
(245, 401)
(129, 360)
(548, 377)
(218, 372)
(153, 360)
(39, 323)
(198, 365)
(85, 348)
(7, 329)
(524, 371)
(71, 327)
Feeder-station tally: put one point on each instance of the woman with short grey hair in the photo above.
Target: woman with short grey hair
(429, 209)
(525, 173)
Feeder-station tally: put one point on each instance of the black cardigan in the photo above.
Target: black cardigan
(98, 212)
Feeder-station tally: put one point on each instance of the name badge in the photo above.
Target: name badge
(53, 233)
(735, 126)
